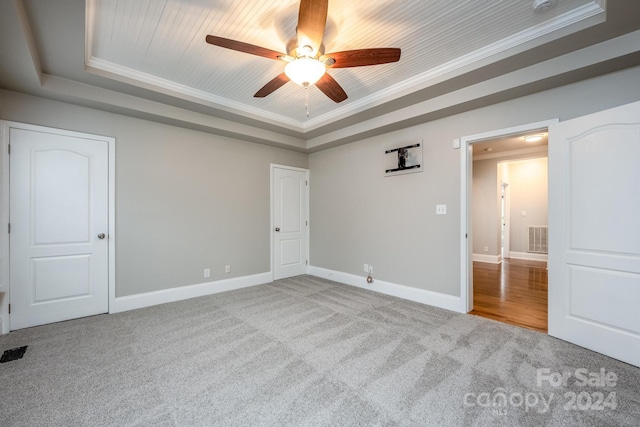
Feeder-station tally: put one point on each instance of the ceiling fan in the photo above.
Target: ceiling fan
(306, 61)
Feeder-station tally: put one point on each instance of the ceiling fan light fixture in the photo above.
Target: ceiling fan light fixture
(305, 70)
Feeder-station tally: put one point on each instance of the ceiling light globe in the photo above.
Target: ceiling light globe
(305, 71)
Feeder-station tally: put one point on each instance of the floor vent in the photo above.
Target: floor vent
(13, 354)
(538, 239)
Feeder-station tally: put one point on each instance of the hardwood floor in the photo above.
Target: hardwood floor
(513, 292)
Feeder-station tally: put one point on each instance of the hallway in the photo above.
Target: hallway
(513, 292)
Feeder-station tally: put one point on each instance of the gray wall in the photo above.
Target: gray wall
(188, 200)
(358, 216)
(185, 200)
(485, 207)
(528, 190)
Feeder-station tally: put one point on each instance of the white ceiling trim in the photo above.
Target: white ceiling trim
(137, 78)
(149, 81)
(576, 60)
(461, 65)
(481, 57)
(97, 97)
(138, 107)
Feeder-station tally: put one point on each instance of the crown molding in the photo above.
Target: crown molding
(167, 87)
(574, 20)
(578, 19)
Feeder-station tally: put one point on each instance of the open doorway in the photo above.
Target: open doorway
(507, 228)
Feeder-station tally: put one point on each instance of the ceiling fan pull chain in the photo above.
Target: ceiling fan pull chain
(306, 99)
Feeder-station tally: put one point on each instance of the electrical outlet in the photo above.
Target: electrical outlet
(486, 248)
(366, 268)
(207, 272)
(441, 209)
(227, 269)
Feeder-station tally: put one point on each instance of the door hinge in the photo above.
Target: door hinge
(466, 236)
(306, 182)
(306, 223)
(306, 262)
(8, 148)
(9, 308)
(9, 228)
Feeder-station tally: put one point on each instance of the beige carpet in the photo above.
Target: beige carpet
(305, 352)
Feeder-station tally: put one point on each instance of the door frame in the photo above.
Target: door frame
(273, 166)
(506, 202)
(466, 176)
(6, 126)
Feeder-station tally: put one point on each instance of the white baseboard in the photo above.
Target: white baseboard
(448, 302)
(493, 259)
(529, 256)
(132, 302)
(4, 313)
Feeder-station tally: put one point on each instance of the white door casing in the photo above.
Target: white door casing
(466, 185)
(58, 209)
(290, 221)
(507, 221)
(594, 229)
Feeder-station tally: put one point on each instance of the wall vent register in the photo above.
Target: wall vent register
(538, 239)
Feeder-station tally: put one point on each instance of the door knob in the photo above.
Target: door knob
(277, 228)
(101, 236)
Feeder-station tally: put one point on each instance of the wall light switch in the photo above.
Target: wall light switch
(524, 213)
(366, 268)
(207, 272)
(441, 209)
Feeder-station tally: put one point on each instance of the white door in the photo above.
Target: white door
(58, 244)
(290, 222)
(594, 221)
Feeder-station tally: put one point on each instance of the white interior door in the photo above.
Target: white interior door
(58, 244)
(594, 221)
(290, 222)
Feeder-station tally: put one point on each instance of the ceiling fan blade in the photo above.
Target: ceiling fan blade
(362, 57)
(331, 88)
(244, 47)
(272, 86)
(312, 20)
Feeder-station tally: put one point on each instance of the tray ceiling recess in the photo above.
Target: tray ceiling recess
(160, 45)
